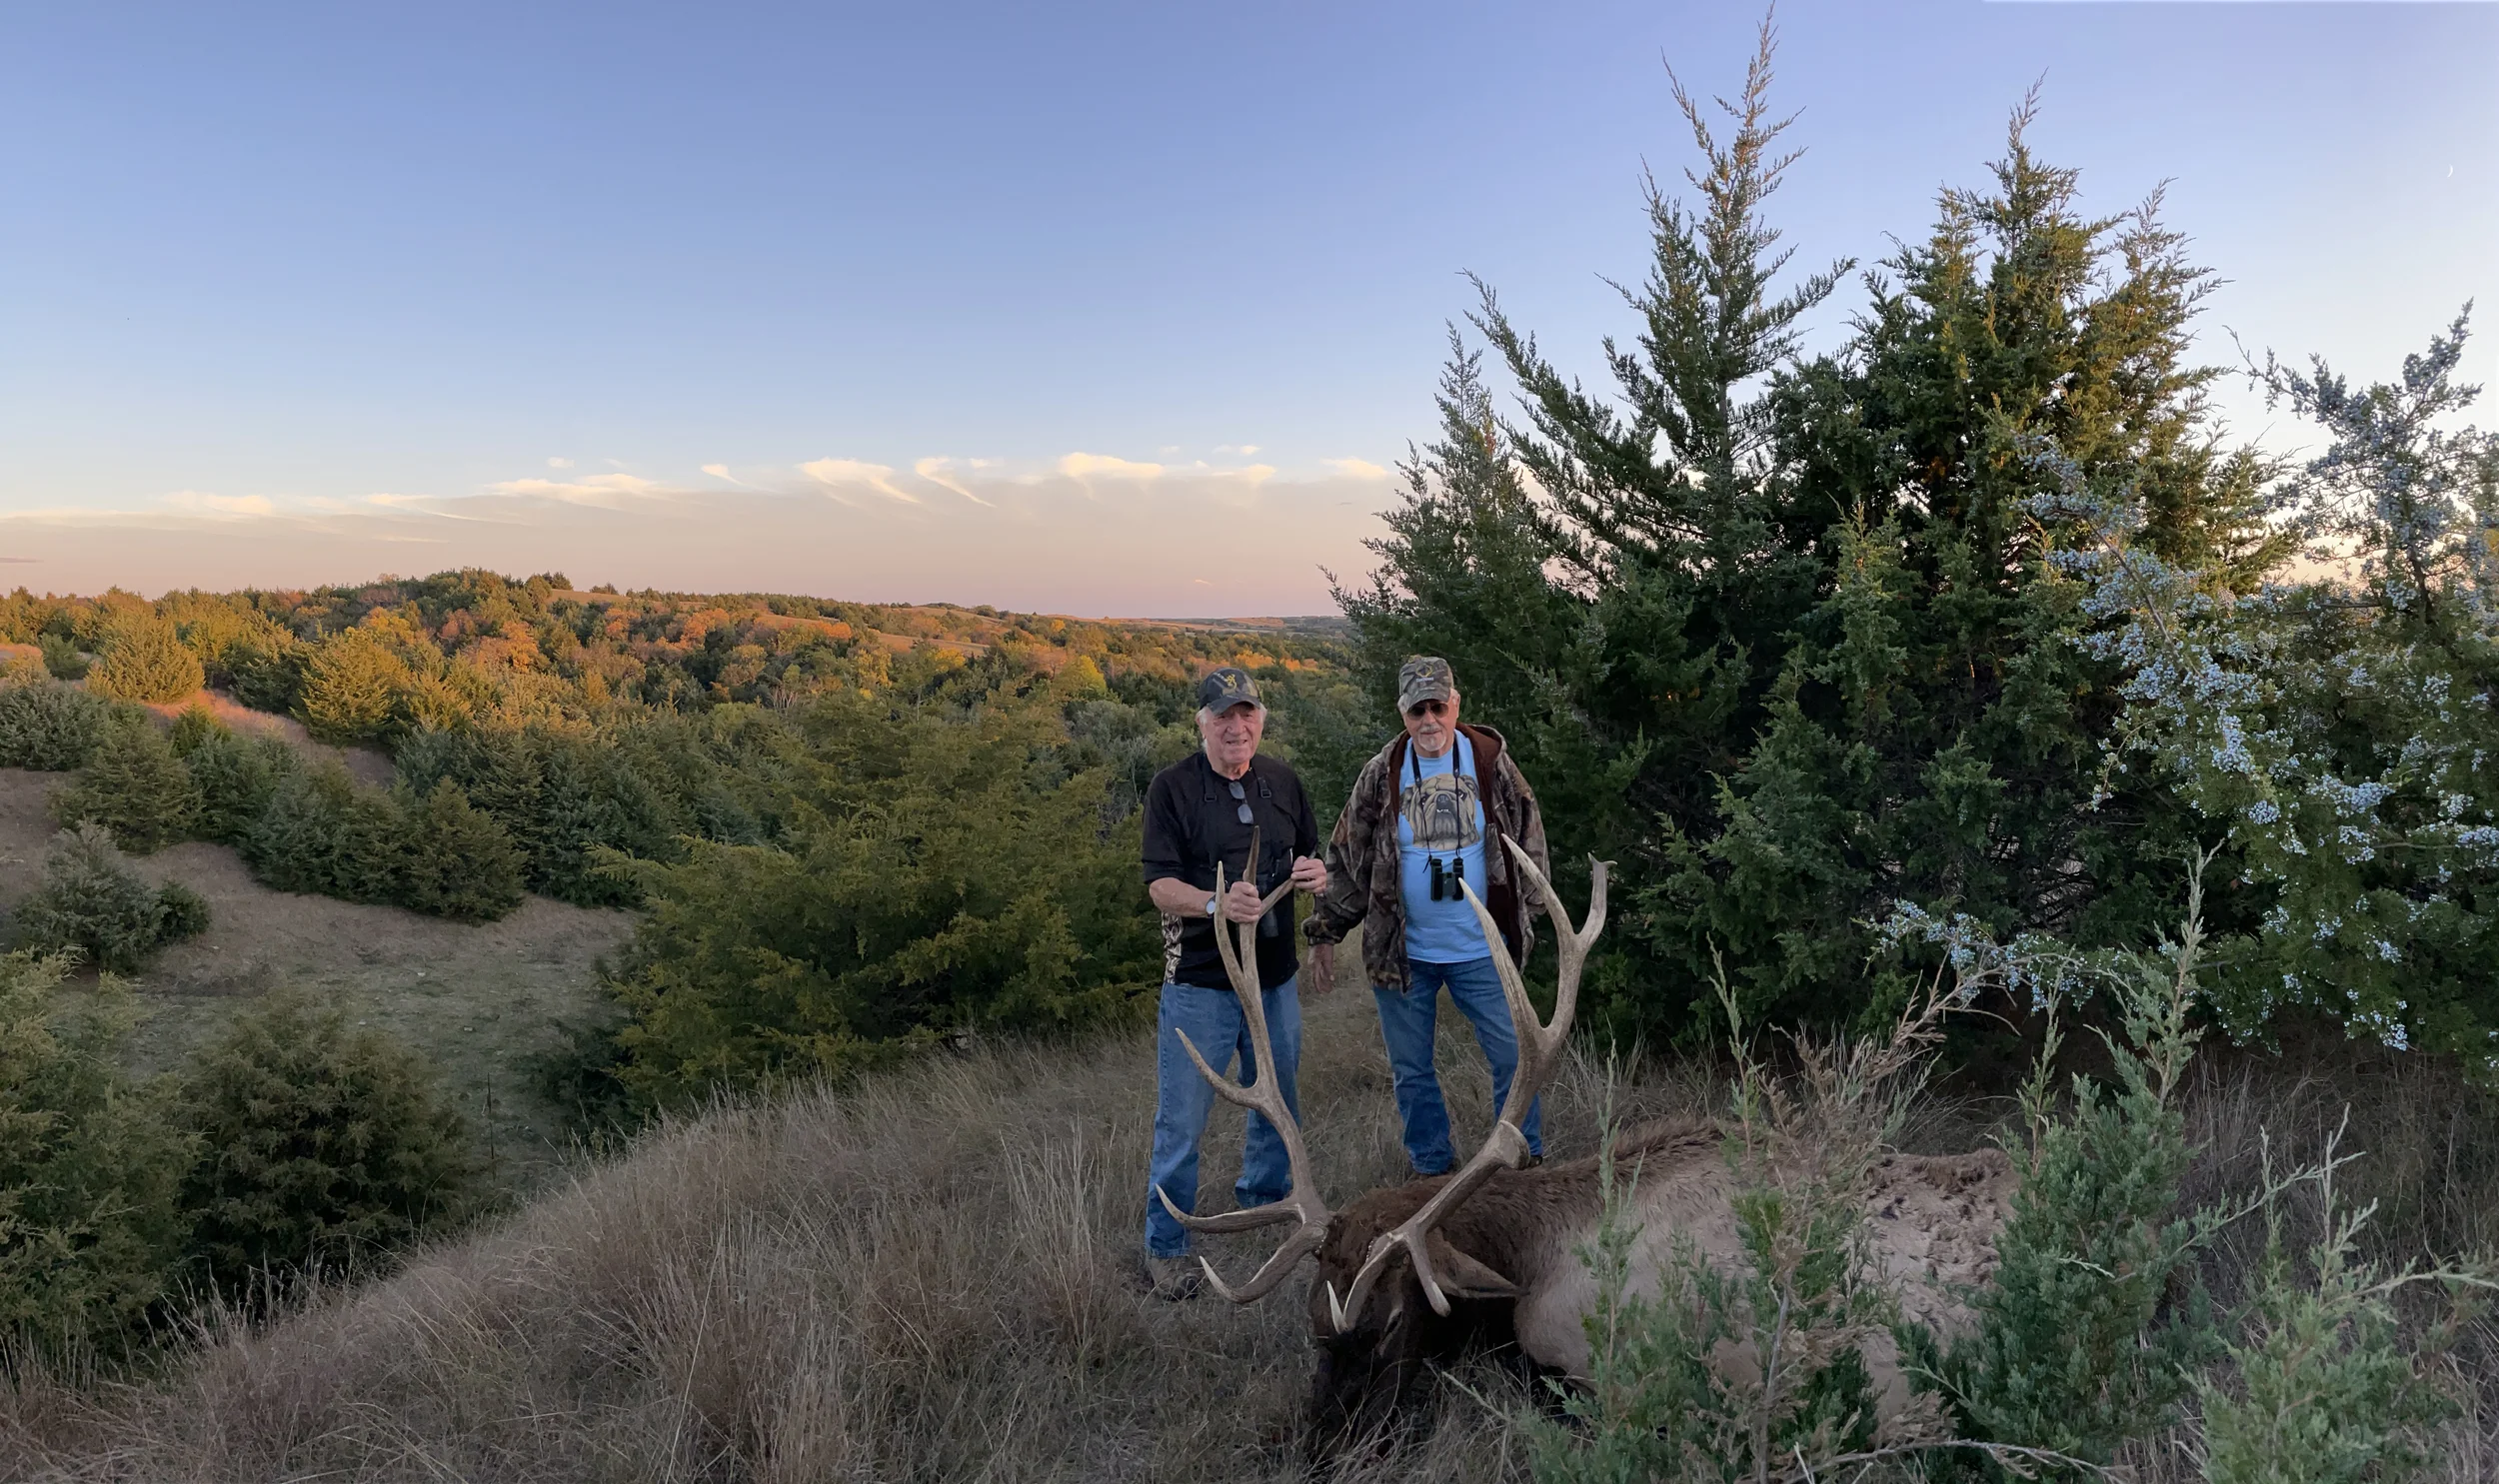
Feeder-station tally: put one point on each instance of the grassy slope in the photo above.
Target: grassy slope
(933, 1277)
(478, 1000)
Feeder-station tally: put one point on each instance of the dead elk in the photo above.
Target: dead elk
(1408, 1275)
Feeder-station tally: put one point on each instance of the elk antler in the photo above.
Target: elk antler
(1540, 1049)
(1265, 1096)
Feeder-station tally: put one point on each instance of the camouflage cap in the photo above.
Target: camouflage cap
(1424, 677)
(1226, 688)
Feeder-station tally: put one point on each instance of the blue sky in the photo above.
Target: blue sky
(696, 296)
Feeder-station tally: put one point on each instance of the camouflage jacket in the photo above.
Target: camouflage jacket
(1365, 878)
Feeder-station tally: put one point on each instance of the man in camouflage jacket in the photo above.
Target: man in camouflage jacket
(1432, 809)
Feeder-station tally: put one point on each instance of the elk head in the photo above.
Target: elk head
(1388, 1273)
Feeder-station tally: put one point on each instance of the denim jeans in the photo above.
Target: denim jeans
(1406, 1023)
(1182, 1099)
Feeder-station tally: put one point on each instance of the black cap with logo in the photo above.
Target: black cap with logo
(1226, 688)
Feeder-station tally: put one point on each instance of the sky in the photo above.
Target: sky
(1088, 308)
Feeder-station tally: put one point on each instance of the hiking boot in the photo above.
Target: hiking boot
(1173, 1279)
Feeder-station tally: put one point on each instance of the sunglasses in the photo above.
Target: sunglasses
(1428, 709)
(1242, 796)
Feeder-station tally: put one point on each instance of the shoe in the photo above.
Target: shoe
(1531, 1161)
(1173, 1279)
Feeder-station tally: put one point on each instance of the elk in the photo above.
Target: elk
(1410, 1274)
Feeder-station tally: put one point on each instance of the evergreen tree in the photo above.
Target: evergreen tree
(194, 726)
(235, 777)
(461, 865)
(2338, 728)
(1797, 616)
(89, 1166)
(321, 1144)
(51, 727)
(92, 904)
(145, 659)
(304, 840)
(351, 689)
(133, 785)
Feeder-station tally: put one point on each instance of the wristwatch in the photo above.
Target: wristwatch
(1211, 903)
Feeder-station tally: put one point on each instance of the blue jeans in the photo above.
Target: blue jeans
(1406, 1023)
(1182, 1099)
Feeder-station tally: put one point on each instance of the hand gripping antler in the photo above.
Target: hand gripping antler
(1265, 1096)
(1540, 1049)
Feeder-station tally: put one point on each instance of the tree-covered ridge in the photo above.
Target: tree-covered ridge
(387, 659)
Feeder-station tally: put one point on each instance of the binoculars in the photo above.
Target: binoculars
(1445, 880)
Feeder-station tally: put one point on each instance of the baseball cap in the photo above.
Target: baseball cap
(1226, 688)
(1424, 678)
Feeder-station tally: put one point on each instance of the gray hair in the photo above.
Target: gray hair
(1206, 713)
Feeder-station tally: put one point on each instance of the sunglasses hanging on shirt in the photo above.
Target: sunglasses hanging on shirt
(1242, 796)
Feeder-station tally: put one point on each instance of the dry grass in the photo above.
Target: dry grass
(930, 1277)
(933, 1277)
(479, 1001)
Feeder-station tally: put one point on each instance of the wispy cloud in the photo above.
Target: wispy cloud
(1360, 469)
(934, 469)
(836, 475)
(203, 503)
(1081, 466)
(721, 472)
(592, 489)
(1237, 449)
(558, 463)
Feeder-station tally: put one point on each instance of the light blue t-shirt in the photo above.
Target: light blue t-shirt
(1440, 816)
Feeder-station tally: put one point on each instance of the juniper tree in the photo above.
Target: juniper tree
(133, 785)
(1780, 632)
(145, 659)
(321, 1144)
(2339, 729)
(89, 1225)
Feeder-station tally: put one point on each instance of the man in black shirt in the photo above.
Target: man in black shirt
(1199, 811)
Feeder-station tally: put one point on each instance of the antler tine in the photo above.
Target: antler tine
(1540, 1047)
(1264, 1096)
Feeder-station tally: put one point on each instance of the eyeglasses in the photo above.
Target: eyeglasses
(1243, 794)
(1427, 708)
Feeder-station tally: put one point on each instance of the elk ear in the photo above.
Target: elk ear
(1463, 1276)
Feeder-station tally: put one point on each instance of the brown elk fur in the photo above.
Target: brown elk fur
(1933, 1223)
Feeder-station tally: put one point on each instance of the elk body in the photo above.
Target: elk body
(1414, 1273)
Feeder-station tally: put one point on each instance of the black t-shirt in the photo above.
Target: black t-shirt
(1191, 820)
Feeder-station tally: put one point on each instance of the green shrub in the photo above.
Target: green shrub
(90, 901)
(133, 785)
(51, 727)
(235, 777)
(350, 688)
(145, 659)
(321, 1144)
(89, 1168)
(311, 837)
(266, 675)
(63, 658)
(1660, 1402)
(2326, 1391)
(945, 882)
(561, 798)
(196, 724)
(460, 863)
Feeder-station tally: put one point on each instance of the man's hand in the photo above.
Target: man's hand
(1309, 873)
(1241, 903)
(1322, 973)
